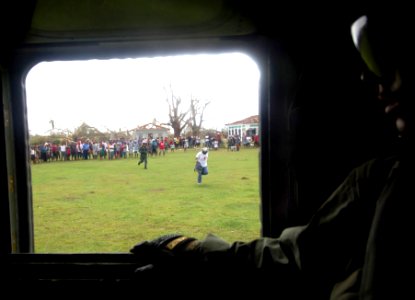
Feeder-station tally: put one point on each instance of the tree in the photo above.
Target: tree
(177, 118)
(197, 110)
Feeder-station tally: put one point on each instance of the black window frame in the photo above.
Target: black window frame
(305, 59)
(17, 236)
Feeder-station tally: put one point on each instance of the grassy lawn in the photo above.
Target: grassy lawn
(109, 206)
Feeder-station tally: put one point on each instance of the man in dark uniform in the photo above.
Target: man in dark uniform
(358, 244)
(143, 150)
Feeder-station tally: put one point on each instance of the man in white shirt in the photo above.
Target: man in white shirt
(201, 164)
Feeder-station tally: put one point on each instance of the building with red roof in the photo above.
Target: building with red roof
(246, 127)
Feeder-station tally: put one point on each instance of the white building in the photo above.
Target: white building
(151, 129)
(246, 127)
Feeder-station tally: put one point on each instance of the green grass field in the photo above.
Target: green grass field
(109, 206)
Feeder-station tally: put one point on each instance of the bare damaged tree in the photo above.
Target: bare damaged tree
(197, 110)
(177, 118)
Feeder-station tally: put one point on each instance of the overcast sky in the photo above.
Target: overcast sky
(123, 94)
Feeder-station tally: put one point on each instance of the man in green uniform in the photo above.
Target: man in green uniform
(143, 154)
(358, 244)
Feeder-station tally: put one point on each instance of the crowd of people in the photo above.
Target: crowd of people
(118, 149)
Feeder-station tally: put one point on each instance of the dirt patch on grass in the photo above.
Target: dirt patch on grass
(157, 190)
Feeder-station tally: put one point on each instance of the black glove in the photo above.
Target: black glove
(165, 251)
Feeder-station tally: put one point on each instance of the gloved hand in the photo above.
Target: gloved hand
(165, 251)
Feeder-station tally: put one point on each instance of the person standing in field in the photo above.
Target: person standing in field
(201, 164)
(162, 147)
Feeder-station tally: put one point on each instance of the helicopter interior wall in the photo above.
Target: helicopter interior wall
(319, 122)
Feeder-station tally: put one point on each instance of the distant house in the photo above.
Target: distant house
(151, 129)
(246, 127)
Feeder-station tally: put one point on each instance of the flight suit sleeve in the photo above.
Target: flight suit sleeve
(331, 244)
